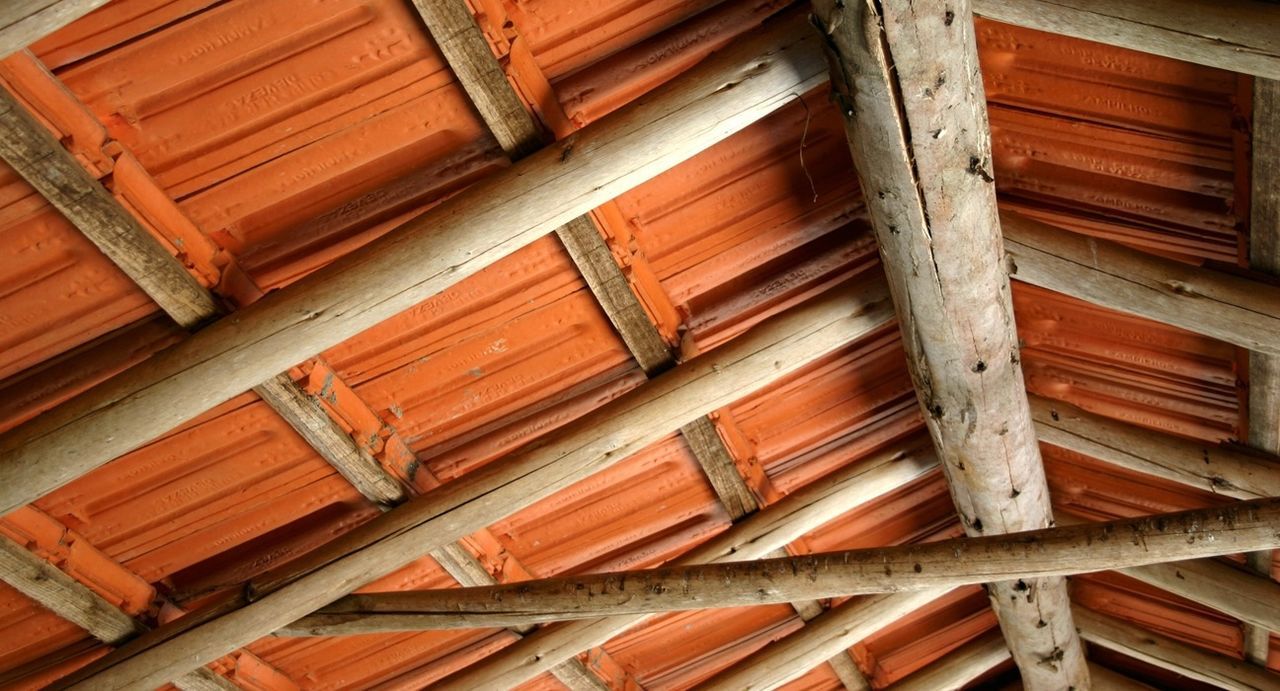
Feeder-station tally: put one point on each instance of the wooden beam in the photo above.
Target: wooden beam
(1234, 471)
(23, 22)
(593, 442)
(1169, 654)
(828, 635)
(753, 538)
(906, 79)
(1264, 255)
(471, 230)
(1104, 678)
(960, 666)
(1235, 309)
(1014, 558)
(1251, 598)
(1235, 35)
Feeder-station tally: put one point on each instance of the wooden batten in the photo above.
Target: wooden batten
(960, 666)
(908, 85)
(23, 22)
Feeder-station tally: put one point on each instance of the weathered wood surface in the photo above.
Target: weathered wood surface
(830, 634)
(1235, 309)
(471, 230)
(1016, 559)
(23, 22)
(1235, 35)
(1234, 471)
(1251, 598)
(961, 666)
(1264, 255)
(1161, 651)
(753, 538)
(909, 87)
(592, 443)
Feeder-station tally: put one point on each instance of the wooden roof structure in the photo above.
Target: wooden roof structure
(905, 345)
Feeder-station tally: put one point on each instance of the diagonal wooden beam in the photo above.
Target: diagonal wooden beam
(23, 22)
(1235, 35)
(1264, 255)
(1251, 598)
(906, 79)
(1161, 651)
(755, 537)
(457, 238)
(1018, 559)
(960, 666)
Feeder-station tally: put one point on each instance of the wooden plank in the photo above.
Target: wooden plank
(471, 230)
(1234, 471)
(906, 79)
(717, 462)
(1235, 309)
(1104, 678)
(1264, 255)
(960, 666)
(1235, 35)
(752, 538)
(1152, 648)
(1251, 598)
(23, 22)
(1014, 558)
(595, 441)
(820, 639)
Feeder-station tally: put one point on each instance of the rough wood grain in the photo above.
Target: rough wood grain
(754, 537)
(471, 230)
(587, 445)
(1264, 255)
(960, 666)
(1234, 471)
(1016, 559)
(906, 78)
(1235, 35)
(23, 22)
(1161, 651)
(1251, 598)
(1230, 308)
(717, 463)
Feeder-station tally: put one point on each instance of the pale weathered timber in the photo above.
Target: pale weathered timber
(1252, 598)
(1235, 35)
(752, 538)
(1014, 558)
(1264, 255)
(1161, 651)
(471, 230)
(828, 635)
(1235, 309)
(596, 441)
(905, 77)
(960, 666)
(23, 22)
(1233, 471)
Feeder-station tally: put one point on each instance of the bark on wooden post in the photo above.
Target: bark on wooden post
(908, 85)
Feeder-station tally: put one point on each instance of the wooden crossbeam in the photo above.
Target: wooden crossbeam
(754, 537)
(23, 22)
(1161, 651)
(1264, 255)
(596, 441)
(1235, 35)
(906, 79)
(1017, 559)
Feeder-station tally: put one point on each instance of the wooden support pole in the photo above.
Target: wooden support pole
(23, 22)
(1161, 651)
(960, 666)
(594, 442)
(906, 79)
(457, 238)
(1230, 308)
(827, 635)
(1264, 255)
(1234, 35)
(753, 538)
(1229, 470)
(1015, 559)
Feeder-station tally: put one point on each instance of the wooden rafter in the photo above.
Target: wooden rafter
(960, 666)
(1018, 559)
(908, 85)
(23, 22)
